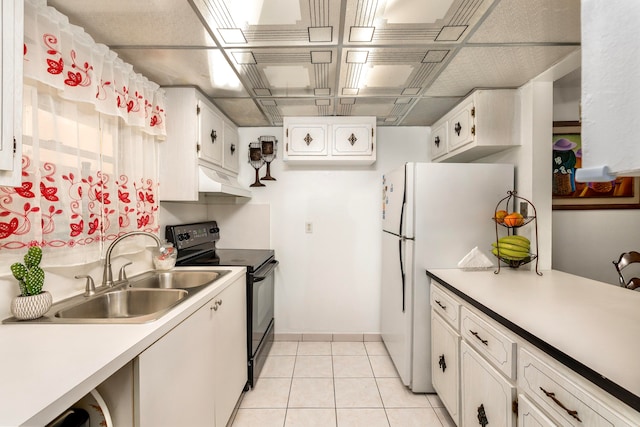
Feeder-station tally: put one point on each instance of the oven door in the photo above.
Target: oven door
(262, 300)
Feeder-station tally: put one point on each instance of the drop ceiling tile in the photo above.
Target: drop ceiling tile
(372, 106)
(242, 111)
(272, 23)
(406, 22)
(493, 67)
(205, 68)
(528, 21)
(137, 23)
(286, 71)
(427, 111)
(387, 71)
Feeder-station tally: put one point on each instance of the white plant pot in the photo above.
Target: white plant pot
(31, 307)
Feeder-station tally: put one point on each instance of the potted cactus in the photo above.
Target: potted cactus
(32, 302)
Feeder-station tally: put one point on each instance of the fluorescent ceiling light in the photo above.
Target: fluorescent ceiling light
(361, 34)
(357, 56)
(245, 57)
(321, 56)
(435, 56)
(220, 72)
(232, 35)
(320, 34)
(264, 12)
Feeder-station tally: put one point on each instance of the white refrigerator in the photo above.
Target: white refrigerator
(433, 215)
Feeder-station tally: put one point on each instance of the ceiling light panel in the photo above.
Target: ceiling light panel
(411, 21)
(205, 68)
(287, 71)
(272, 23)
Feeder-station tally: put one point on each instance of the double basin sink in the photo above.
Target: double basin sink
(140, 299)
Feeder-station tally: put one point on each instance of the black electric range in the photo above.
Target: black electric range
(196, 246)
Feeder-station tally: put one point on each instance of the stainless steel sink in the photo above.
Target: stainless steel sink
(175, 279)
(125, 303)
(139, 299)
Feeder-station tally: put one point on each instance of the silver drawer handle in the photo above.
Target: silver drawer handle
(475, 334)
(552, 396)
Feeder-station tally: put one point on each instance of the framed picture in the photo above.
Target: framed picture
(621, 193)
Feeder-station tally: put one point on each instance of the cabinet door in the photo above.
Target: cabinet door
(230, 151)
(307, 140)
(461, 126)
(174, 377)
(445, 368)
(352, 139)
(439, 140)
(530, 416)
(210, 128)
(11, 23)
(230, 349)
(487, 397)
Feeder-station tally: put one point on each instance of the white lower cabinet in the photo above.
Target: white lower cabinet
(445, 367)
(505, 378)
(487, 397)
(566, 398)
(194, 375)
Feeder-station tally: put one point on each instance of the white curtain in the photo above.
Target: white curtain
(63, 56)
(90, 147)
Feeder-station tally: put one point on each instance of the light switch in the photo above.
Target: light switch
(308, 227)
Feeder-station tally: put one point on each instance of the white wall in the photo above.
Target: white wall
(328, 281)
(585, 242)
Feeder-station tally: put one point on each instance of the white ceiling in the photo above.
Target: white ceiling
(407, 62)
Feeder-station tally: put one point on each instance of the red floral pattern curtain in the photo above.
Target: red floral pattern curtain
(90, 137)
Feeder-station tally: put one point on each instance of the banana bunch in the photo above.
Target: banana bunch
(514, 248)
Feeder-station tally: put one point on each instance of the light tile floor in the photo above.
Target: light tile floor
(343, 384)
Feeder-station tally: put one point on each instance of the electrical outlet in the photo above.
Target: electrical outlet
(308, 227)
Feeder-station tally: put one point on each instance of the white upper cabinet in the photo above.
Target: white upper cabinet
(230, 157)
(484, 123)
(330, 140)
(610, 89)
(199, 140)
(12, 23)
(210, 133)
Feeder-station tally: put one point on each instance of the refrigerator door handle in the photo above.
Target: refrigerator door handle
(400, 243)
(404, 287)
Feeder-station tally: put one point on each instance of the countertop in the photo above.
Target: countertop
(45, 368)
(593, 326)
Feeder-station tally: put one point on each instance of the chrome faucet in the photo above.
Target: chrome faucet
(107, 275)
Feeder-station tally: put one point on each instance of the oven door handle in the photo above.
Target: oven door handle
(260, 277)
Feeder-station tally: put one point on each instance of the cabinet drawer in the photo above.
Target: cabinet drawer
(446, 306)
(488, 340)
(558, 392)
(487, 397)
(530, 416)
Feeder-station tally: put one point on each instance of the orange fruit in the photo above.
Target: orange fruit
(514, 219)
(500, 216)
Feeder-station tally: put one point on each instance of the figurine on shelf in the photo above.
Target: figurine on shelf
(256, 161)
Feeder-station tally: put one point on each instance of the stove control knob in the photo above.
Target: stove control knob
(214, 230)
(187, 236)
(180, 237)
